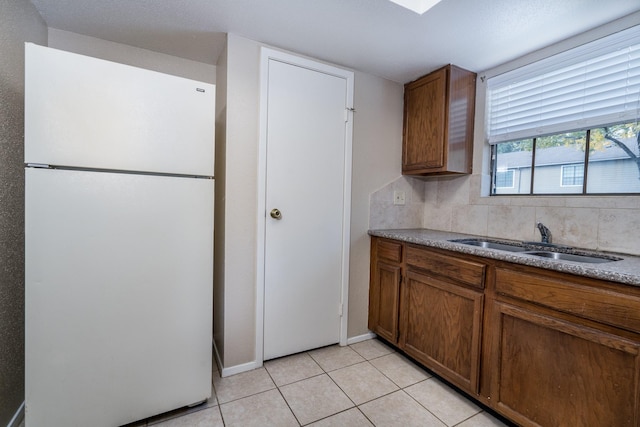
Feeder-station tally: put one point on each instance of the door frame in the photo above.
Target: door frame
(267, 54)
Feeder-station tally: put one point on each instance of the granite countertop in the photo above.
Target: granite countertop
(626, 271)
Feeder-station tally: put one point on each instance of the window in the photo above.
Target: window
(607, 159)
(572, 175)
(504, 179)
(569, 124)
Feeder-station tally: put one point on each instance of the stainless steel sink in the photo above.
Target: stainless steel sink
(543, 250)
(491, 244)
(591, 259)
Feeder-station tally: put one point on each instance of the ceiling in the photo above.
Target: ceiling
(374, 36)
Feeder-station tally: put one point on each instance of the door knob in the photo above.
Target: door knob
(276, 214)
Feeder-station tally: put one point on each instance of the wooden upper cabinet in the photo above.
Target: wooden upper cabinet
(439, 112)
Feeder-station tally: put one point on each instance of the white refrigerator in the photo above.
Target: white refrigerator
(118, 241)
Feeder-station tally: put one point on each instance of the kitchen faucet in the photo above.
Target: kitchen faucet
(545, 232)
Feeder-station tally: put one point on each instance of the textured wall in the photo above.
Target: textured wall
(219, 215)
(240, 201)
(19, 22)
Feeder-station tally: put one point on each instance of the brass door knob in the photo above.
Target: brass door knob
(276, 214)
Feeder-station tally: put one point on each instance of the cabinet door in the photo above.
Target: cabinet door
(441, 327)
(425, 123)
(551, 372)
(385, 296)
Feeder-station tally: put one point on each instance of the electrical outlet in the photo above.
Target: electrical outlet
(398, 197)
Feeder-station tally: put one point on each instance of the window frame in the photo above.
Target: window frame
(575, 167)
(570, 188)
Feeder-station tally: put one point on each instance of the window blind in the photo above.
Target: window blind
(595, 84)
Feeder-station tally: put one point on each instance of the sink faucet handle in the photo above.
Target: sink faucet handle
(544, 232)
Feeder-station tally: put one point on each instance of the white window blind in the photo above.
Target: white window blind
(595, 84)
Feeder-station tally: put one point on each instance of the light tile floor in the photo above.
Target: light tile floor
(364, 384)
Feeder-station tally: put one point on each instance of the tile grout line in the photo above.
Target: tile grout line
(282, 395)
(414, 399)
(393, 382)
(213, 386)
(368, 361)
(339, 388)
(467, 419)
(327, 373)
(427, 409)
(402, 389)
(355, 406)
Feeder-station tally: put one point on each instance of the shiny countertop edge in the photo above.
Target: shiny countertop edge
(625, 271)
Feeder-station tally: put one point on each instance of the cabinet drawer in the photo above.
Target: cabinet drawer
(462, 271)
(589, 302)
(390, 250)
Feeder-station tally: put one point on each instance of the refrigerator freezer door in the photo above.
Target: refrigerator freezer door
(118, 296)
(90, 113)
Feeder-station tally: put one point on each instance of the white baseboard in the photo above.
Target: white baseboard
(232, 370)
(18, 417)
(360, 338)
(216, 356)
(238, 369)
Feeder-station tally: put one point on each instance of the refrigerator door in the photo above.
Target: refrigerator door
(90, 113)
(118, 296)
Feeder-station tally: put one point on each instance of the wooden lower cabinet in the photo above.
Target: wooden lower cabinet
(541, 348)
(551, 372)
(565, 350)
(386, 299)
(384, 288)
(441, 325)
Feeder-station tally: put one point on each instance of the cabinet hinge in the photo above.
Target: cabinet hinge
(340, 309)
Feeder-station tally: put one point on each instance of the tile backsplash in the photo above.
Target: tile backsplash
(607, 223)
(384, 214)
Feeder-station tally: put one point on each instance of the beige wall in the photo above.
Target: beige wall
(129, 55)
(376, 161)
(236, 340)
(377, 157)
(220, 217)
(20, 23)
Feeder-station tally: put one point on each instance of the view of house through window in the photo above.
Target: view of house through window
(604, 160)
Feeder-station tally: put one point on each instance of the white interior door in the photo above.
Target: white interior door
(307, 148)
